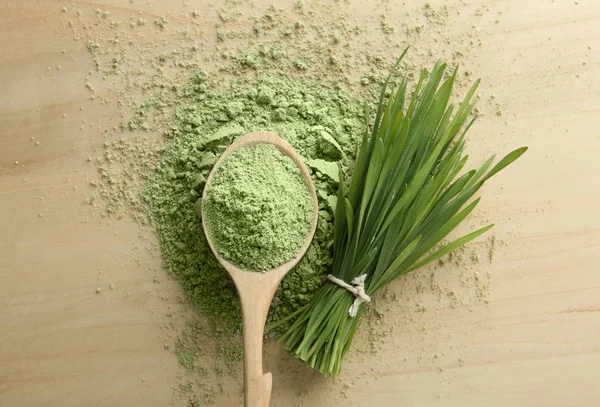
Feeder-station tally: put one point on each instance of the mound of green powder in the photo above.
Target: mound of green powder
(324, 126)
(258, 209)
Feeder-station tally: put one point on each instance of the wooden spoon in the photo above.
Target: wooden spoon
(256, 289)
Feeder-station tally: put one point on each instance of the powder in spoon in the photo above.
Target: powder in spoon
(258, 209)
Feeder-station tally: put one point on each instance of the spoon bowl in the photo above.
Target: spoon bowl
(256, 289)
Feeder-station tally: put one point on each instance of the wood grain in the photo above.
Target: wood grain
(536, 343)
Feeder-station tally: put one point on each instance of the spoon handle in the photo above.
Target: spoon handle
(255, 299)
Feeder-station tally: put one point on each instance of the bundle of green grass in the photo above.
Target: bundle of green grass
(406, 194)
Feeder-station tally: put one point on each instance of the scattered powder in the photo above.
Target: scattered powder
(186, 355)
(258, 208)
(316, 50)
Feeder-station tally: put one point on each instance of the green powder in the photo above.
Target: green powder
(324, 126)
(258, 208)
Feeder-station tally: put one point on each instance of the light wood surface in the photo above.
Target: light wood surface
(256, 290)
(534, 341)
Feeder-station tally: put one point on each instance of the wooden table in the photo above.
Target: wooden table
(536, 343)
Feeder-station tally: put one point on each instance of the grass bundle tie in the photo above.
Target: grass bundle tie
(357, 288)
